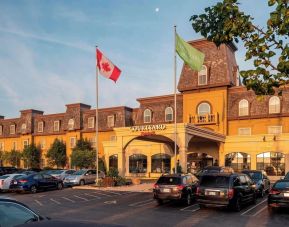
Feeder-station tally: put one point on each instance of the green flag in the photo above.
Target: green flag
(189, 54)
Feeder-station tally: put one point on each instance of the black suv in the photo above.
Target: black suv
(214, 169)
(175, 187)
(260, 179)
(7, 170)
(230, 190)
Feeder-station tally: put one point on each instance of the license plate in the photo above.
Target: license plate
(211, 193)
(286, 194)
(166, 190)
(15, 182)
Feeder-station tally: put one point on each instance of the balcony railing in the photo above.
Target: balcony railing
(206, 119)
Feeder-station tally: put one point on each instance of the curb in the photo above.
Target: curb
(132, 188)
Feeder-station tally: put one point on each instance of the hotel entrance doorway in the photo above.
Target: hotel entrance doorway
(197, 161)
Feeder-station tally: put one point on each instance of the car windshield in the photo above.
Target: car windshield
(169, 180)
(80, 172)
(57, 171)
(215, 181)
(282, 185)
(4, 176)
(254, 175)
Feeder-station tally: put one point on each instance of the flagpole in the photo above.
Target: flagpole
(175, 99)
(96, 119)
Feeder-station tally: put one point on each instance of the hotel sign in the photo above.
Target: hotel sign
(148, 128)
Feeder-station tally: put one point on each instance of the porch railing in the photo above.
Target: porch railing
(205, 119)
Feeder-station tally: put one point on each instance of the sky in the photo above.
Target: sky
(47, 50)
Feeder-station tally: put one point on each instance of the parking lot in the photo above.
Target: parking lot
(139, 209)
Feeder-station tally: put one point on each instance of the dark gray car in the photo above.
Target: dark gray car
(261, 180)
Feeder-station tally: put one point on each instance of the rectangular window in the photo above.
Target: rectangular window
(1, 130)
(40, 126)
(92, 141)
(14, 145)
(72, 141)
(244, 131)
(25, 143)
(42, 144)
(56, 126)
(275, 130)
(12, 129)
(1, 146)
(110, 121)
(202, 79)
(91, 122)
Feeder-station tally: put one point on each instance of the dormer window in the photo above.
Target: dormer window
(12, 129)
(202, 76)
(40, 126)
(169, 114)
(110, 121)
(71, 124)
(274, 105)
(147, 116)
(243, 108)
(56, 125)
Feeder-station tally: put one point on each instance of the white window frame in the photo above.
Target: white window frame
(40, 126)
(12, 129)
(240, 133)
(1, 130)
(274, 105)
(71, 124)
(203, 74)
(203, 104)
(56, 126)
(25, 143)
(110, 121)
(169, 112)
(90, 122)
(275, 128)
(243, 107)
(72, 142)
(147, 116)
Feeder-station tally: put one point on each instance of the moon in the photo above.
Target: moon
(157, 9)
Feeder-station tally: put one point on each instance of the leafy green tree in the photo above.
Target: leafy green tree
(83, 158)
(225, 22)
(13, 157)
(56, 155)
(31, 154)
(2, 157)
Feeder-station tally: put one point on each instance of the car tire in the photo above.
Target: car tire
(160, 202)
(237, 205)
(33, 189)
(188, 200)
(59, 186)
(81, 182)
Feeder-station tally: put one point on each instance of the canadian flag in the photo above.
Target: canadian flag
(106, 67)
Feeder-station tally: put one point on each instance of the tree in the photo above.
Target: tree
(13, 157)
(224, 23)
(31, 154)
(56, 154)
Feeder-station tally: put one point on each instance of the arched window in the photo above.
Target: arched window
(238, 161)
(147, 116)
(202, 76)
(71, 124)
(169, 114)
(161, 163)
(243, 108)
(204, 109)
(113, 161)
(137, 163)
(274, 105)
(272, 162)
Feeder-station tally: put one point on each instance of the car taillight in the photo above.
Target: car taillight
(274, 192)
(156, 186)
(198, 192)
(231, 193)
(23, 181)
(180, 187)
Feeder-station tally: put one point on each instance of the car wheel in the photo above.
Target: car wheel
(237, 205)
(81, 183)
(160, 202)
(33, 189)
(59, 186)
(188, 199)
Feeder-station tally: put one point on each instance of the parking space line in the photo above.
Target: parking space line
(80, 197)
(38, 202)
(259, 211)
(144, 204)
(102, 194)
(134, 204)
(253, 207)
(194, 205)
(53, 200)
(70, 200)
(94, 196)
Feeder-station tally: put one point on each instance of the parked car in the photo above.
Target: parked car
(36, 182)
(230, 190)
(13, 213)
(7, 170)
(6, 180)
(175, 187)
(215, 169)
(62, 173)
(286, 176)
(82, 177)
(261, 180)
(279, 195)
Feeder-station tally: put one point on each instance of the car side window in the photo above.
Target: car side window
(89, 172)
(38, 177)
(248, 180)
(12, 214)
(46, 176)
(94, 171)
(70, 171)
(237, 182)
(184, 180)
(243, 180)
